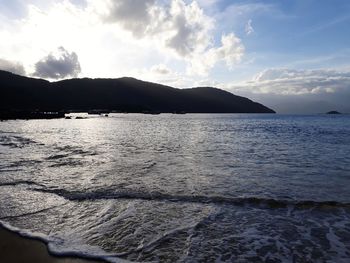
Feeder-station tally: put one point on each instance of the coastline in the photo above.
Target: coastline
(17, 249)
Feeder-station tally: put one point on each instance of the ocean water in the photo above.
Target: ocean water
(181, 188)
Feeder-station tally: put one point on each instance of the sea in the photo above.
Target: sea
(180, 188)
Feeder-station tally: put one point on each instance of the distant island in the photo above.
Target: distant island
(19, 93)
(333, 112)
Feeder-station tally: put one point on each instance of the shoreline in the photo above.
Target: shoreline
(15, 248)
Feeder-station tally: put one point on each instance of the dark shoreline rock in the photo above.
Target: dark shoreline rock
(29, 115)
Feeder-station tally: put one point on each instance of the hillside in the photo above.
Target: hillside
(122, 94)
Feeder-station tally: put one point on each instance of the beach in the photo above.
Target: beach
(17, 249)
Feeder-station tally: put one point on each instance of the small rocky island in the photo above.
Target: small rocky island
(333, 112)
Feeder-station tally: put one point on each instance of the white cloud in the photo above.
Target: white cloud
(114, 37)
(31, 38)
(181, 28)
(103, 50)
(298, 91)
(189, 29)
(249, 28)
(206, 83)
(290, 81)
(178, 26)
(231, 52)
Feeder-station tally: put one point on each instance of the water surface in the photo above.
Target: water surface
(186, 188)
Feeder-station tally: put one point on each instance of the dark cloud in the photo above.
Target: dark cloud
(14, 67)
(186, 36)
(133, 15)
(60, 65)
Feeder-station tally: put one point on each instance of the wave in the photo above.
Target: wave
(14, 141)
(25, 182)
(68, 150)
(154, 196)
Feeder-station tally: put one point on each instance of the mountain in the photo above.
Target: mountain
(122, 94)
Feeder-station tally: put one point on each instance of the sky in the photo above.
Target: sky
(291, 55)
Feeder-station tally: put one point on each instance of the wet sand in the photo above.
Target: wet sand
(17, 249)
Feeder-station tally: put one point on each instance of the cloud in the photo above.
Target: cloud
(208, 3)
(249, 28)
(163, 74)
(13, 8)
(298, 91)
(239, 15)
(206, 83)
(237, 11)
(115, 37)
(160, 69)
(290, 81)
(231, 52)
(189, 27)
(133, 15)
(184, 29)
(58, 65)
(181, 27)
(14, 67)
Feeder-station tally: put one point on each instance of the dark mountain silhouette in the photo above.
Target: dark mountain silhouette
(123, 94)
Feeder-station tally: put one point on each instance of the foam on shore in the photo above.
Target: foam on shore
(39, 246)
